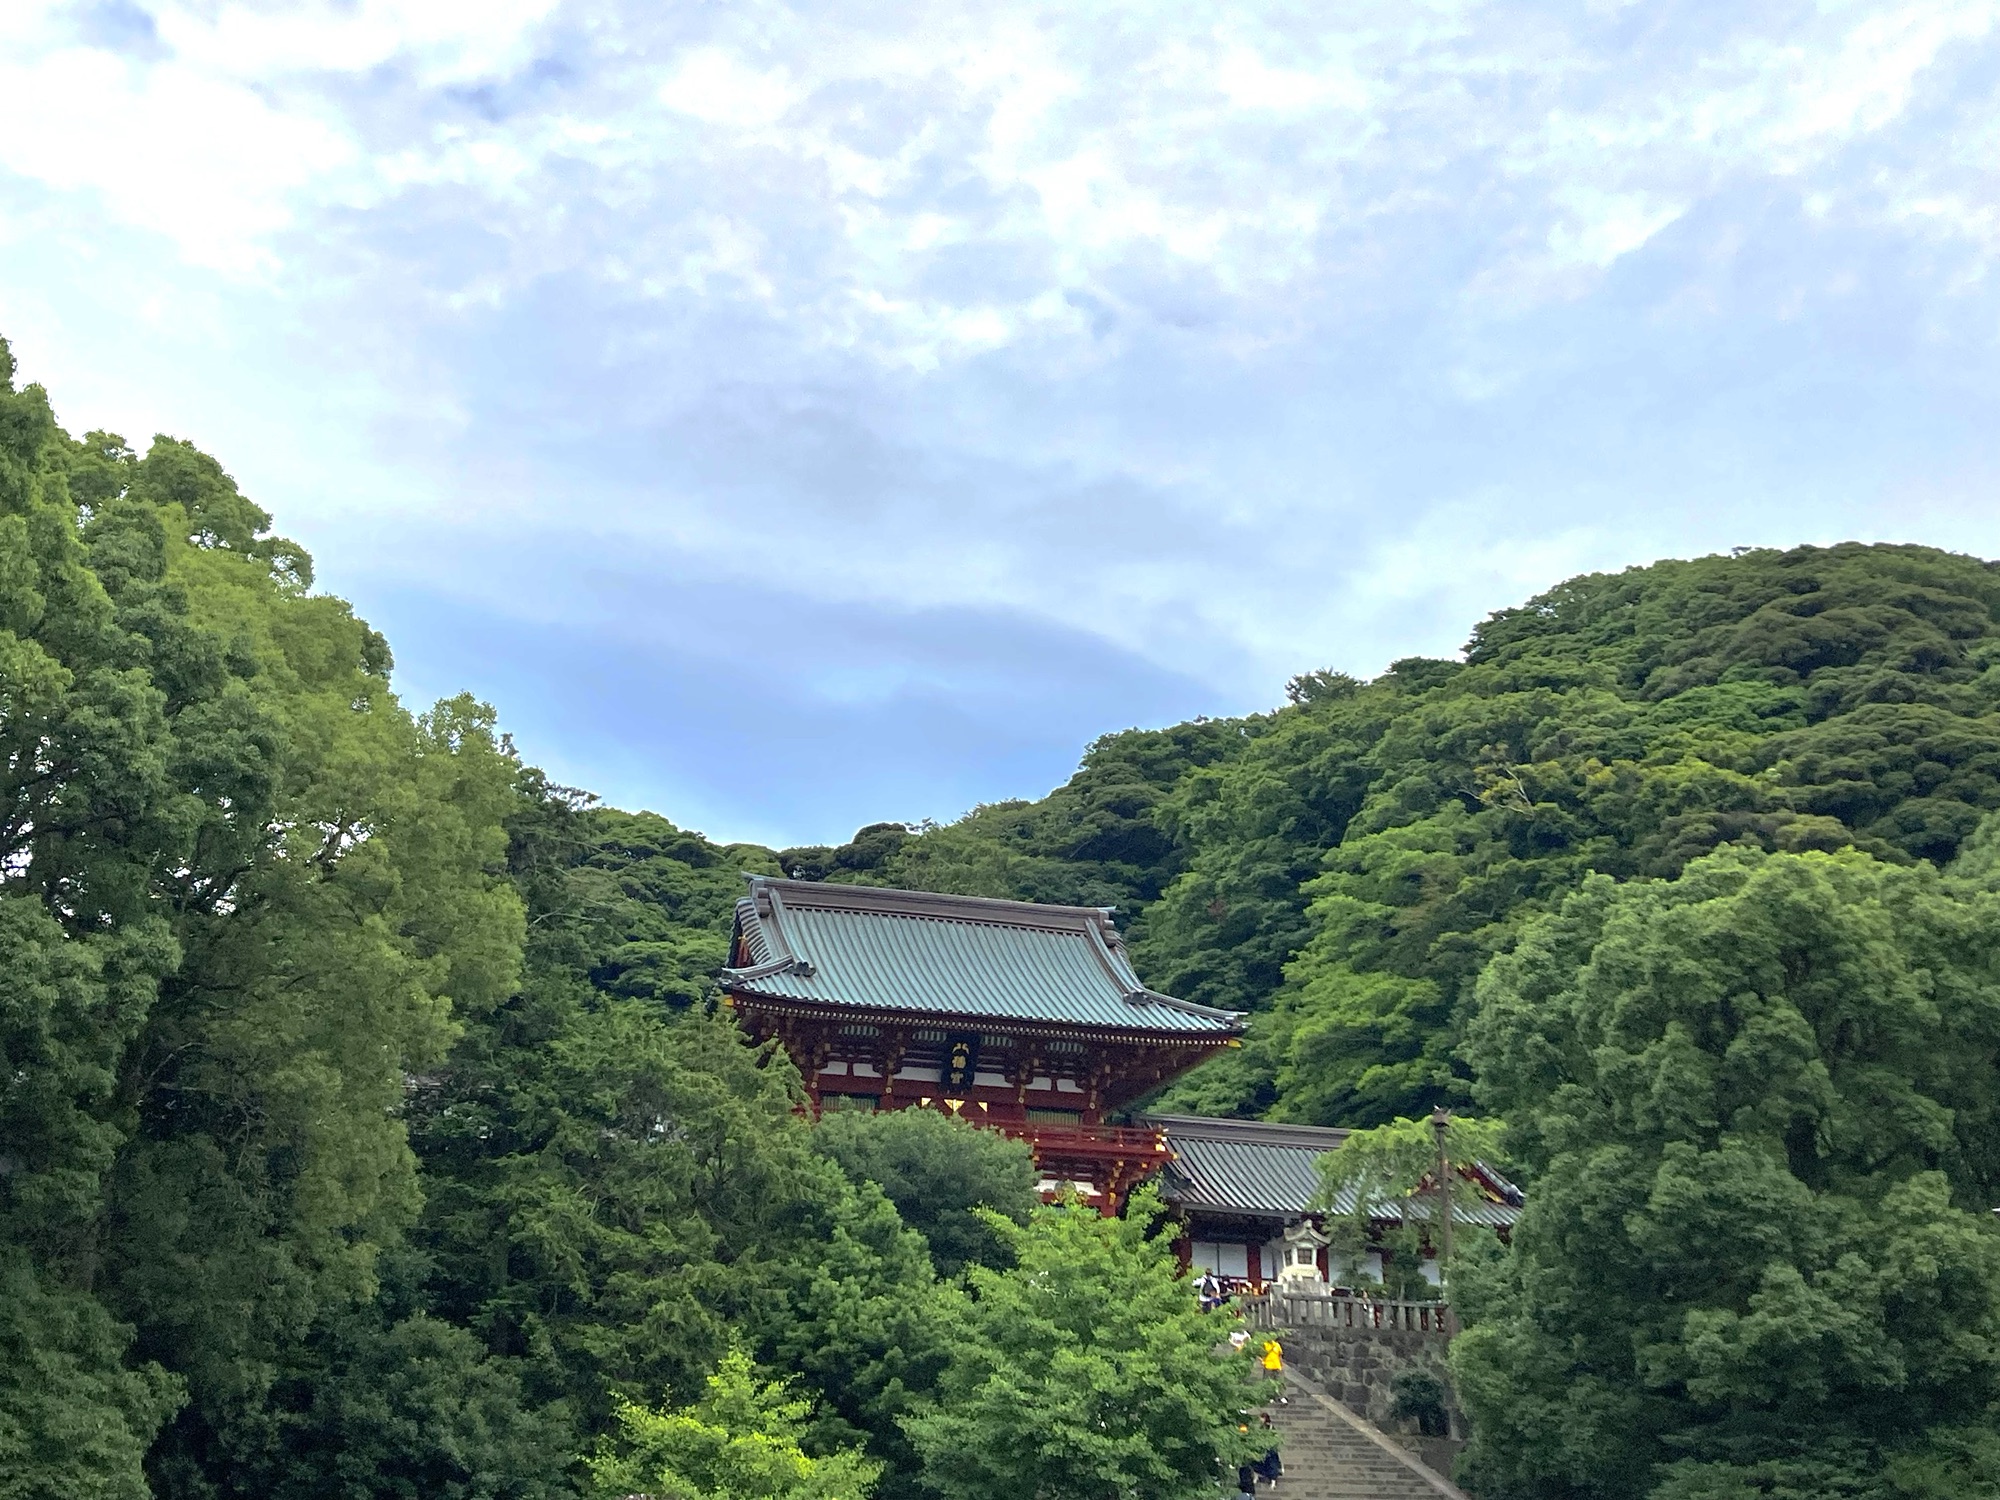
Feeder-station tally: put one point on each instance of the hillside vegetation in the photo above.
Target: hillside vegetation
(1345, 866)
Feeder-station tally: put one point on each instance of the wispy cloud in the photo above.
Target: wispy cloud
(1230, 339)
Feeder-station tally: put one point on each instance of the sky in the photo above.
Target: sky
(796, 417)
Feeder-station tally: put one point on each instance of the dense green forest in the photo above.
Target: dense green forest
(368, 1127)
(1346, 866)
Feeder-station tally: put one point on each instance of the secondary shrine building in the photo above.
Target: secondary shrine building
(1243, 1190)
(1017, 1016)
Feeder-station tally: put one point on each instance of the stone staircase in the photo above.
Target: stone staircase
(1331, 1454)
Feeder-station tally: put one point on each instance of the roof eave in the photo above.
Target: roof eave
(882, 1015)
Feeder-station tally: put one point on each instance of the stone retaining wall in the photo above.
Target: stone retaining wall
(1358, 1366)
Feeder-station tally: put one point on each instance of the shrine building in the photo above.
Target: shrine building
(1020, 1017)
(1244, 1190)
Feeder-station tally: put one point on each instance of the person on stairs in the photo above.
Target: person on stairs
(1274, 1368)
(1270, 1466)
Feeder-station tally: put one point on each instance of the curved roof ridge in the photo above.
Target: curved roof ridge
(832, 895)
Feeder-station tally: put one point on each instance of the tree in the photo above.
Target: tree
(1084, 1370)
(75, 1419)
(843, 1295)
(378, 1407)
(1392, 1168)
(618, 1182)
(1759, 1106)
(244, 895)
(739, 1442)
(937, 1170)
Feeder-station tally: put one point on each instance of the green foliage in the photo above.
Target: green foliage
(1098, 840)
(1419, 1396)
(243, 892)
(1086, 1369)
(1759, 1105)
(1346, 866)
(1381, 1169)
(651, 903)
(741, 1441)
(937, 1170)
(618, 1183)
(866, 853)
(405, 1408)
(75, 1420)
(845, 1297)
(592, 1168)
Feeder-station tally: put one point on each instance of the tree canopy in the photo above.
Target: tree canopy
(246, 894)
(1085, 1369)
(741, 1441)
(1345, 866)
(939, 1171)
(1759, 1103)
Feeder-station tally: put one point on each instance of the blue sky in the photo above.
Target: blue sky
(793, 417)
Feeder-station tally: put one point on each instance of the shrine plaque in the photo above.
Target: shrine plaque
(961, 1060)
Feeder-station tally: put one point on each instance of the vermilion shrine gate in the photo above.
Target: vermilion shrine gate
(1029, 1019)
(1013, 1015)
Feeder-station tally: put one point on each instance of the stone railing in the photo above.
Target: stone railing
(1295, 1307)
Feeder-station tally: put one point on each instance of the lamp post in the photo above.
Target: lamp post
(1440, 1127)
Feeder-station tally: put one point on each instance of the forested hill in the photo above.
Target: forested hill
(1346, 865)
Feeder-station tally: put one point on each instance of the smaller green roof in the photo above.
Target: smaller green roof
(1244, 1166)
(1259, 1170)
(967, 957)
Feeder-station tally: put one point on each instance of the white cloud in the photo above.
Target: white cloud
(712, 85)
(445, 42)
(1870, 76)
(211, 165)
(1600, 227)
(219, 133)
(1049, 275)
(1252, 82)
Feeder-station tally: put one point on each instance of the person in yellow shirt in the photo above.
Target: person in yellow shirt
(1274, 1368)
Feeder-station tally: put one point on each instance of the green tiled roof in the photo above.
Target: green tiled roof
(1244, 1166)
(1268, 1171)
(884, 951)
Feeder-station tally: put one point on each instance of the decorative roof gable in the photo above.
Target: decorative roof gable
(957, 956)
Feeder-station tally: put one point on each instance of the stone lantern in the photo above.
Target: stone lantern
(1299, 1257)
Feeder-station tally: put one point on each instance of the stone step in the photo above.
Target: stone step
(1329, 1454)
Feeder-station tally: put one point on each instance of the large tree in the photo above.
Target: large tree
(741, 1441)
(1086, 1371)
(248, 894)
(939, 1171)
(1760, 1105)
